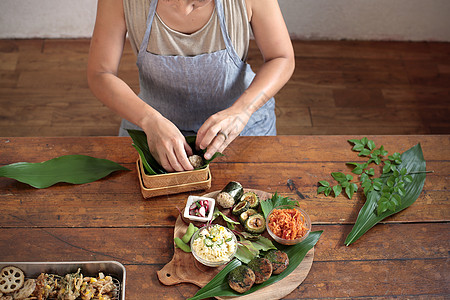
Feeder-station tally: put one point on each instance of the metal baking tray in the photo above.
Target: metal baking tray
(88, 268)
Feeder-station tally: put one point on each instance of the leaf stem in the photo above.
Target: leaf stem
(416, 172)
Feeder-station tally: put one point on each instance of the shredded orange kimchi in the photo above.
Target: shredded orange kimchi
(288, 224)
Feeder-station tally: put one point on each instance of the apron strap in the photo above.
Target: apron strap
(150, 17)
(226, 37)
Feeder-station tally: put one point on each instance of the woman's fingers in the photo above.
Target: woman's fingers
(169, 146)
(176, 158)
(207, 133)
(219, 143)
(182, 159)
(187, 148)
(220, 130)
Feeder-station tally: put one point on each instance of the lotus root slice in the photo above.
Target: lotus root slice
(11, 279)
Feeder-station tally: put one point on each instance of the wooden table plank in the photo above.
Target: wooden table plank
(119, 193)
(154, 245)
(383, 265)
(405, 257)
(112, 210)
(389, 279)
(243, 149)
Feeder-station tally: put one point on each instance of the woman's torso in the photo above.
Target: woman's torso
(190, 77)
(208, 39)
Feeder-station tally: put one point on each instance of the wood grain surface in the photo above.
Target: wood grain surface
(184, 268)
(404, 257)
(338, 87)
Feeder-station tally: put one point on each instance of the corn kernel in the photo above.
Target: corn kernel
(93, 280)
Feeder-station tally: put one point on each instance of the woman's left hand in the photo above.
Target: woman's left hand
(221, 129)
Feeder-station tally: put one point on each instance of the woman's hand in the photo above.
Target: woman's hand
(221, 129)
(167, 145)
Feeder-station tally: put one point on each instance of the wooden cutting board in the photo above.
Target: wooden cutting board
(184, 268)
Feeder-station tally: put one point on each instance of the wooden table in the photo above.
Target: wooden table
(407, 256)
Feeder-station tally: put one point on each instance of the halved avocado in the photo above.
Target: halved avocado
(255, 224)
(240, 208)
(244, 215)
(251, 198)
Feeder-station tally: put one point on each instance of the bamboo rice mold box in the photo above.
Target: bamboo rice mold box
(172, 183)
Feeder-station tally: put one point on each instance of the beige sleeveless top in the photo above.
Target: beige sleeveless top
(165, 41)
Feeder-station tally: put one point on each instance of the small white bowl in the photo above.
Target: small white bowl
(192, 199)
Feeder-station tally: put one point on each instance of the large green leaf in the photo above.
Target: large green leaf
(141, 145)
(219, 287)
(414, 163)
(76, 169)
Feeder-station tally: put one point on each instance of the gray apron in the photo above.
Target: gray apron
(187, 90)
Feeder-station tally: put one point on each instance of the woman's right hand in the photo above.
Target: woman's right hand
(168, 145)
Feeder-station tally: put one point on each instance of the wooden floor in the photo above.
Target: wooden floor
(339, 87)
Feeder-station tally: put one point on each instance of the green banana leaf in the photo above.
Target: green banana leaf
(75, 169)
(151, 166)
(414, 162)
(218, 286)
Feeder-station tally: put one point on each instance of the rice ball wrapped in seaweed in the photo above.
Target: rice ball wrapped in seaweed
(196, 161)
(230, 194)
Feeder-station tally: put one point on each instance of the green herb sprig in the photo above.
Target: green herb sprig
(275, 201)
(392, 190)
(399, 185)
